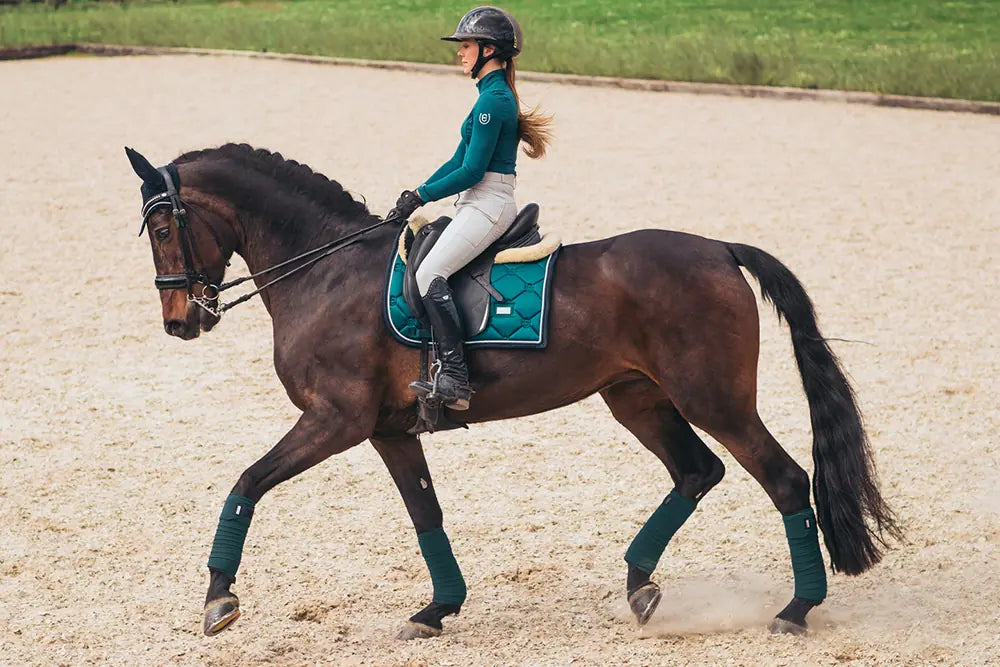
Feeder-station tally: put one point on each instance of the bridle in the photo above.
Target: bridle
(189, 249)
(193, 275)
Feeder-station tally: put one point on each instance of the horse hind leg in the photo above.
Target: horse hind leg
(744, 435)
(642, 407)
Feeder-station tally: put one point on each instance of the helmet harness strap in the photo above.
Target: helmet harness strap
(483, 59)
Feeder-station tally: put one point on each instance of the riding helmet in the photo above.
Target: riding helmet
(490, 25)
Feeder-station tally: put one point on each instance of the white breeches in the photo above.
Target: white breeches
(483, 213)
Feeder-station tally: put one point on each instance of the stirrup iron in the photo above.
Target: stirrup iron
(429, 392)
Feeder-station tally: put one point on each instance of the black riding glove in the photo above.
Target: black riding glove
(408, 202)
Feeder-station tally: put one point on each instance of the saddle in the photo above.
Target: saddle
(471, 285)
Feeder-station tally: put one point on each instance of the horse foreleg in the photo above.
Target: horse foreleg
(404, 457)
(314, 438)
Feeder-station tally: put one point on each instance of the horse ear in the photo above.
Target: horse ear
(143, 169)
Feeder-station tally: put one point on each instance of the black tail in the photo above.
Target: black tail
(855, 520)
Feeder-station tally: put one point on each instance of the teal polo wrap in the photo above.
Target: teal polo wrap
(649, 545)
(227, 548)
(807, 561)
(449, 586)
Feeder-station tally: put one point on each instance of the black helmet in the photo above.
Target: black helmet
(490, 25)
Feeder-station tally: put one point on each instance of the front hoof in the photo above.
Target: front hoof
(644, 601)
(220, 614)
(784, 627)
(417, 631)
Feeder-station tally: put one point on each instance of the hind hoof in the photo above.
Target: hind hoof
(781, 626)
(417, 631)
(792, 619)
(644, 601)
(220, 614)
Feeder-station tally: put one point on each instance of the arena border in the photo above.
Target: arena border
(651, 85)
(32, 51)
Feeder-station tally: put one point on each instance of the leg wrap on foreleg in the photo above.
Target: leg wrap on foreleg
(807, 561)
(449, 586)
(227, 548)
(651, 541)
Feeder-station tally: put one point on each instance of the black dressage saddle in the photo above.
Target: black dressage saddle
(471, 285)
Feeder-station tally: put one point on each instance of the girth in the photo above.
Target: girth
(471, 285)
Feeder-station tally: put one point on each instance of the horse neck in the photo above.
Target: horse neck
(264, 245)
(265, 237)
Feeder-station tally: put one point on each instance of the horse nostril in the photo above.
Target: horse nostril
(175, 327)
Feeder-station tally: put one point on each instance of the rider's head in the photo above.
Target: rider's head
(486, 33)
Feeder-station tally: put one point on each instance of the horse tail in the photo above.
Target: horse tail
(855, 520)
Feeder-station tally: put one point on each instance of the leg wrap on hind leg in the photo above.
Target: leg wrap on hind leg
(449, 586)
(651, 541)
(227, 548)
(807, 561)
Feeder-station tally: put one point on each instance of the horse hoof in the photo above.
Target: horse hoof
(220, 614)
(417, 631)
(644, 602)
(781, 626)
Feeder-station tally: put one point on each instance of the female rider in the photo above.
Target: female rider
(482, 170)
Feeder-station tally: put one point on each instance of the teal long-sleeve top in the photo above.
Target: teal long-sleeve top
(489, 141)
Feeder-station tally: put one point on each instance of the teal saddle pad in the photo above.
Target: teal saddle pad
(520, 320)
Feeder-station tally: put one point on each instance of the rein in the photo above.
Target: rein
(209, 298)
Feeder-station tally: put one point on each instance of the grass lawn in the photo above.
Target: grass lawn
(922, 47)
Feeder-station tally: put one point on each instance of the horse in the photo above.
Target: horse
(662, 324)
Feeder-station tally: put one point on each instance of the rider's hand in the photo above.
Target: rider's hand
(408, 202)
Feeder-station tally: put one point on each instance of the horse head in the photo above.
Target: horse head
(189, 253)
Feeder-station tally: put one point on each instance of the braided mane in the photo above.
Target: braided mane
(300, 177)
(295, 201)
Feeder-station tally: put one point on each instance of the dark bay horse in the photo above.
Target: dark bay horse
(662, 324)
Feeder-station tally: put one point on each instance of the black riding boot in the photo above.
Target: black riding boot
(452, 378)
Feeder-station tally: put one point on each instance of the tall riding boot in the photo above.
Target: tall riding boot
(451, 384)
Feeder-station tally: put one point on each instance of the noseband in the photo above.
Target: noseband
(209, 298)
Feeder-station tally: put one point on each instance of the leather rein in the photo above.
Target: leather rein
(209, 297)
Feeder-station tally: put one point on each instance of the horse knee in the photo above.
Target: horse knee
(250, 481)
(245, 485)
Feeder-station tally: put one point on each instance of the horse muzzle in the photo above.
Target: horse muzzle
(208, 320)
(181, 329)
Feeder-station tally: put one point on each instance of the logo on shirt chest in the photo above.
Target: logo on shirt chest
(484, 119)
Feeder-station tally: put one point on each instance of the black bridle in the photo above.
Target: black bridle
(189, 249)
(208, 300)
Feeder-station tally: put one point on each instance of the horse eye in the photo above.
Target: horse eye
(163, 233)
